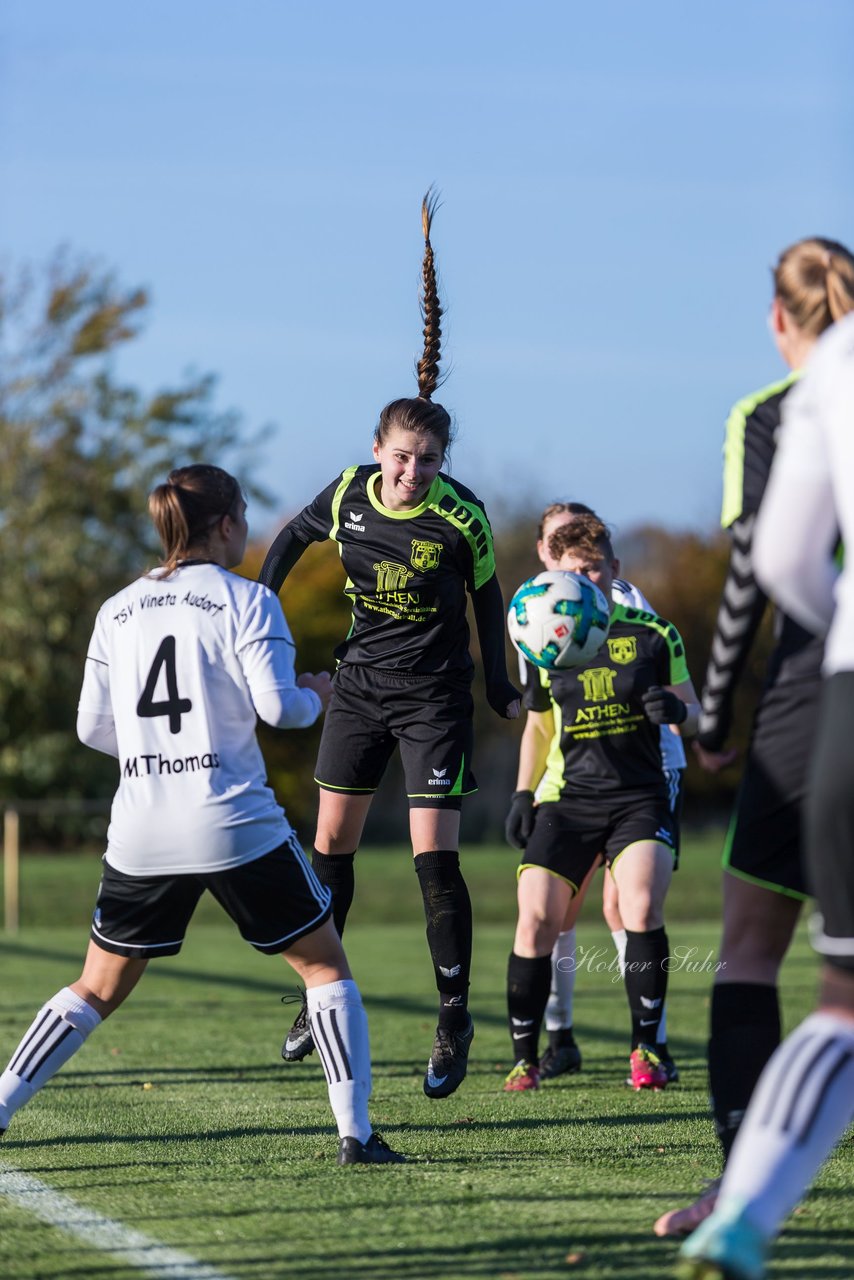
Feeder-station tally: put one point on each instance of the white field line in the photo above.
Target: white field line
(114, 1238)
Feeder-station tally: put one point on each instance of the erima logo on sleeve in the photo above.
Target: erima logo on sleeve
(439, 779)
(355, 522)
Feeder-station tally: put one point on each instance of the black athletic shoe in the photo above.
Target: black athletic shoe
(374, 1151)
(560, 1060)
(669, 1065)
(298, 1042)
(449, 1061)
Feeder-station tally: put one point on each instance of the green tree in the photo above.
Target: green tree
(79, 452)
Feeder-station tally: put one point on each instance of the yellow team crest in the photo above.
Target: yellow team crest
(623, 649)
(425, 555)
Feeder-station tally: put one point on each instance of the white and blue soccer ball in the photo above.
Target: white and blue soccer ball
(559, 619)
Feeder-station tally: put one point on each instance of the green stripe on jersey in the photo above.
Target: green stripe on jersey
(675, 644)
(337, 498)
(471, 521)
(736, 425)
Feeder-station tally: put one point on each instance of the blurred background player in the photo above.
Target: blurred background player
(595, 749)
(764, 885)
(562, 1055)
(179, 665)
(414, 543)
(804, 1099)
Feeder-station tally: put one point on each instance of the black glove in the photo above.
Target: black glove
(663, 707)
(520, 820)
(500, 695)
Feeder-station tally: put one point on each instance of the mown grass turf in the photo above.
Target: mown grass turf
(229, 1154)
(60, 888)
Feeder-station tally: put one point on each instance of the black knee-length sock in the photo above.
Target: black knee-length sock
(528, 984)
(447, 911)
(745, 1031)
(646, 982)
(336, 871)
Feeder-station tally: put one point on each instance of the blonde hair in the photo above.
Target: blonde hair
(561, 509)
(814, 280)
(188, 506)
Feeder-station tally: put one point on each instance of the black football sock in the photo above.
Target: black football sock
(447, 910)
(561, 1037)
(336, 871)
(528, 983)
(646, 982)
(745, 1031)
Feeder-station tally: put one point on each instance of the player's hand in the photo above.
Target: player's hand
(505, 699)
(714, 761)
(662, 706)
(321, 684)
(520, 820)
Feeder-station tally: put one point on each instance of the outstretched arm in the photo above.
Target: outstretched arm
(280, 559)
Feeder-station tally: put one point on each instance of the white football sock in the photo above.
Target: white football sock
(59, 1029)
(559, 1007)
(619, 936)
(800, 1108)
(339, 1028)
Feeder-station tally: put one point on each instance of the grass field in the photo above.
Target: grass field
(179, 1120)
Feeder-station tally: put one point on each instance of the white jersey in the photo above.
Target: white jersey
(672, 748)
(177, 668)
(809, 501)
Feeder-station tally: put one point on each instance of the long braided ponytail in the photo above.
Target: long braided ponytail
(420, 414)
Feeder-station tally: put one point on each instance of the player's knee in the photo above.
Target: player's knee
(536, 932)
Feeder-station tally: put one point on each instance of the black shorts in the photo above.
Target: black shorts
(829, 823)
(273, 900)
(570, 834)
(764, 844)
(372, 711)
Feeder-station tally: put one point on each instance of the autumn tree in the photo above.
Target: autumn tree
(80, 449)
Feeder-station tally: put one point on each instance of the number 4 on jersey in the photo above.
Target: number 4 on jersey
(173, 706)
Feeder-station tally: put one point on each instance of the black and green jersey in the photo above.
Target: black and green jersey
(407, 571)
(751, 440)
(603, 742)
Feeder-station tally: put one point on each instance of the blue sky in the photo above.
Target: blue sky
(617, 180)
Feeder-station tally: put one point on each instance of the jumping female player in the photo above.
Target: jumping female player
(413, 542)
(597, 752)
(763, 884)
(180, 664)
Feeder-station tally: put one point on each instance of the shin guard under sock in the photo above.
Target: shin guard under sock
(745, 1031)
(528, 981)
(336, 872)
(447, 911)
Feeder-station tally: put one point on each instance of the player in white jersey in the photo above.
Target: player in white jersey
(179, 665)
(563, 1055)
(804, 1099)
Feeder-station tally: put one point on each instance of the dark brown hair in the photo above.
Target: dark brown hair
(586, 536)
(814, 280)
(188, 506)
(420, 414)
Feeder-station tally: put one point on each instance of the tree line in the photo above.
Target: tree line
(80, 449)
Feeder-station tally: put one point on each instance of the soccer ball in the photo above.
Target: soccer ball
(558, 619)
